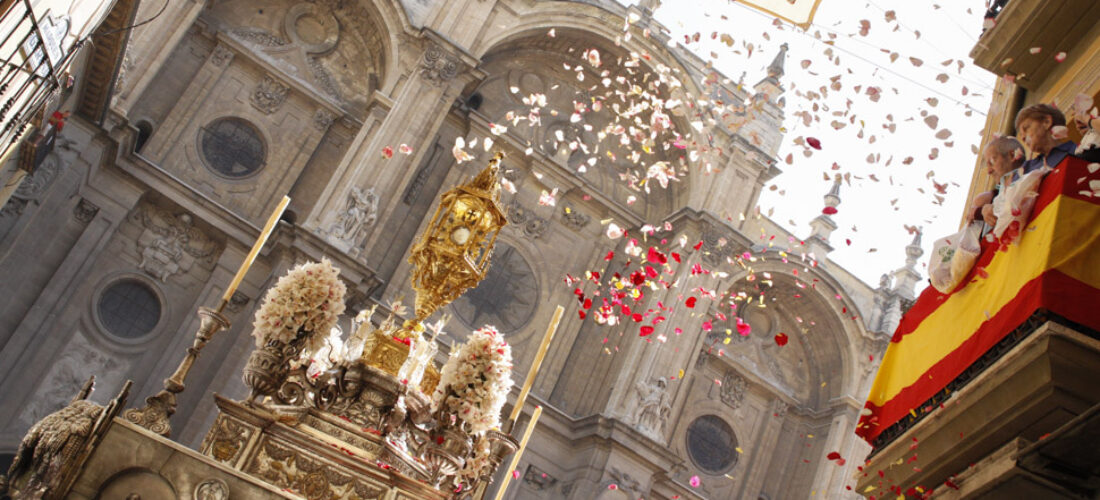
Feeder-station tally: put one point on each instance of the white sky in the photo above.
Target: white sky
(867, 217)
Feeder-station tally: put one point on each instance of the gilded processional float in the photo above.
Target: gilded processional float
(370, 416)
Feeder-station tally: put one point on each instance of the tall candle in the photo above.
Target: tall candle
(538, 361)
(268, 228)
(519, 452)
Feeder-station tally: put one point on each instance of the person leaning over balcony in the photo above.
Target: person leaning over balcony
(1043, 130)
(1002, 158)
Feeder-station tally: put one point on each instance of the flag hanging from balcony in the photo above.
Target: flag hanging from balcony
(797, 12)
(1055, 266)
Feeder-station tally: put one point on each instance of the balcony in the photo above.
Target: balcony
(1051, 25)
(1001, 368)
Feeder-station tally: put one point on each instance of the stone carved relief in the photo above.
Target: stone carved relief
(312, 27)
(67, 374)
(211, 489)
(360, 212)
(322, 119)
(221, 56)
(237, 302)
(779, 409)
(307, 475)
(522, 217)
(715, 245)
(256, 36)
(624, 480)
(33, 186)
(537, 479)
(269, 95)
(85, 211)
(225, 440)
(170, 243)
(324, 78)
(652, 406)
(437, 67)
(733, 390)
(574, 219)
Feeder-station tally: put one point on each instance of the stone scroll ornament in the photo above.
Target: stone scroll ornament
(298, 313)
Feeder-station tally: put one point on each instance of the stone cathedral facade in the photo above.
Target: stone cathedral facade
(186, 134)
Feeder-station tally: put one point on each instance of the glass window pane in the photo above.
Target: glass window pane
(128, 309)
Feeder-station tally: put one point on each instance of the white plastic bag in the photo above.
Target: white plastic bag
(1014, 205)
(954, 256)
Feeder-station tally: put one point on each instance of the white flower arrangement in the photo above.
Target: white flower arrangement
(475, 381)
(309, 298)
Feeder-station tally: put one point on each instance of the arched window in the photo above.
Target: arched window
(232, 147)
(145, 131)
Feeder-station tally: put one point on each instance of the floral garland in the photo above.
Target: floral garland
(309, 298)
(475, 381)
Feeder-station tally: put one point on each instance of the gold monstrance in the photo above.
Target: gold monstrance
(451, 257)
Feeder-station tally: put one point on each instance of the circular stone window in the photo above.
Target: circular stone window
(506, 298)
(711, 444)
(232, 147)
(128, 309)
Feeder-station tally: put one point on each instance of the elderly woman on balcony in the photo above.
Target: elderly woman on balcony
(1002, 158)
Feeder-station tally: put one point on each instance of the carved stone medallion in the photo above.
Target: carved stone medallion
(212, 489)
(269, 95)
(733, 390)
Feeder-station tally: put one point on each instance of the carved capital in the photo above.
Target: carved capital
(322, 119)
(221, 56)
(438, 67)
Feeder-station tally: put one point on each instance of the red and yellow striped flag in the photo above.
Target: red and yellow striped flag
(1055, 266)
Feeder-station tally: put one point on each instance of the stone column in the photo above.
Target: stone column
(416, 114)
(763, 449)
(829, 478)
(150, 46)
(461, 21)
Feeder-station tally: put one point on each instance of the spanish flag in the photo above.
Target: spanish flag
(1054, 266)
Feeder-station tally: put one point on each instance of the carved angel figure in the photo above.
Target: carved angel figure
(360, 212)
(50, 444)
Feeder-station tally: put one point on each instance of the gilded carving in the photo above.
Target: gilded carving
(226, 439)
(269, 95)
(309, 476)
(170, 243)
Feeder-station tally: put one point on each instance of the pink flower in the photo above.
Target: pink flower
(694, 481)
(387, 152)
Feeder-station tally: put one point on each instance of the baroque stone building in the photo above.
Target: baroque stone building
(185, 136)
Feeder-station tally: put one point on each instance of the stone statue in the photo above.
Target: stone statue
(360, 212)
(49, 446)
(653, 405)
